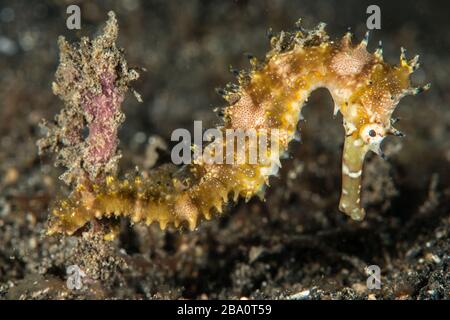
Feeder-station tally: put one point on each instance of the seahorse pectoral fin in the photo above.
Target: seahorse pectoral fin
(352, 166)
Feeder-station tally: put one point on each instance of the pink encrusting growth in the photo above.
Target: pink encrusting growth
(103, 110)
(92, 79)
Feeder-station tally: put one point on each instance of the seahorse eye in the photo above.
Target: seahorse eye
(372, 133)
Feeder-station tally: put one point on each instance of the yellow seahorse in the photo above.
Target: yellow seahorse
(365, 89)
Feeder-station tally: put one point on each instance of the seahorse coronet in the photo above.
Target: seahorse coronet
(271, 95)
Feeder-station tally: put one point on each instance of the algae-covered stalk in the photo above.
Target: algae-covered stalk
(92, 79)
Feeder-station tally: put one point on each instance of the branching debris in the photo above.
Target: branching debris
(92, 79)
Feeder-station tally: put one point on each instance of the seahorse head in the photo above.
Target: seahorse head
(367, 90)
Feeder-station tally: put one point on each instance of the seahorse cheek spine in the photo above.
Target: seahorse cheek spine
(365, 90)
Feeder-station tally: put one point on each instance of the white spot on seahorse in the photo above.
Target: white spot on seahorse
(349, 128)
(349, 173)
(358, 143)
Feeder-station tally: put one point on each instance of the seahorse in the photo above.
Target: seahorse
(271, 95)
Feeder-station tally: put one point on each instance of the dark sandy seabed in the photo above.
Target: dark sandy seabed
(296, 244)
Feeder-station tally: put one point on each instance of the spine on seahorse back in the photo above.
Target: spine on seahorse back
(364, 88)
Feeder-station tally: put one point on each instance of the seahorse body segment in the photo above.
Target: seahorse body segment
(365, 89)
